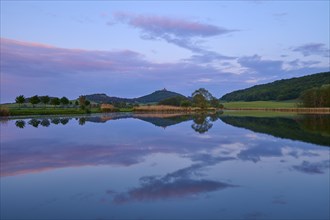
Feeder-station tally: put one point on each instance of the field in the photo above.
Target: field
(27, 109)
(261, 104)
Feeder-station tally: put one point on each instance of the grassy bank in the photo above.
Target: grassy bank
(260, 104)
(48, 111)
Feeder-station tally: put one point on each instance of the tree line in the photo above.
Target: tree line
(55, 101)
(316, 97)
(201, 98)
(285, 89)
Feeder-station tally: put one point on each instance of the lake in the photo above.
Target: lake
(165, 166)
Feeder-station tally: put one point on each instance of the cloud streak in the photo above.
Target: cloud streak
(318, 49)
(157, 26)
(179, 32)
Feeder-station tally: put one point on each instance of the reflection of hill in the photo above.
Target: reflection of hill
(164, 121)
(305, 128)
(160, 120)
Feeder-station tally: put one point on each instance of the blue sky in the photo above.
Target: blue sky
(132, 48)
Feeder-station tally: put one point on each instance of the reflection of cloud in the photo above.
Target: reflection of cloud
(255, 153)
(34, 157)
(180, 183)
(312, 168)
(160, 189)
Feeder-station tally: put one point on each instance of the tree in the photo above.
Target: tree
(64, 100)
(20, 100)
(45, 99)
(185, 103)
(200, 101)
(34, 100)
(55, 101)
(214, 102)
(82, 100)
(205, 93)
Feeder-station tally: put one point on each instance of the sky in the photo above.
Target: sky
(132, 48)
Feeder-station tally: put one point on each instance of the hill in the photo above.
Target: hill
(156, 96)
(103, 98)
(284, 89)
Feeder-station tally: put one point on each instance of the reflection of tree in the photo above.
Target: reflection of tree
(316, 124)
(82, 121)
(64, 121)
(45, 122)
(55, 121)
(34, 122)
(201, 123)
(20, 124)
(308, 128)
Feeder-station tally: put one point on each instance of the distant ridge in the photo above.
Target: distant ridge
(156, 96)
(285, 89)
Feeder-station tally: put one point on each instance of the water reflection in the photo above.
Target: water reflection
(308, 128)
(116, 162)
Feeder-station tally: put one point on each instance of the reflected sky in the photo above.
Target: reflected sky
(125, 166)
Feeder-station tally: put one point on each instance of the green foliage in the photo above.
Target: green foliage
(261, 104)
(285, 89)
(55, 101)
(205, 93)
(20, 100)
(45, 99)
(173, 101)
(34, 100)
(199, 101)
(316, 97)
(185, 103)
(64, 100)
(203, 99)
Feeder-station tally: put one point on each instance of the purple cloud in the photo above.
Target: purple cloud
(318, 49)
(159, 26)
(176, 31)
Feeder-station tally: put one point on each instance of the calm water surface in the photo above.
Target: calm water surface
(126, 166)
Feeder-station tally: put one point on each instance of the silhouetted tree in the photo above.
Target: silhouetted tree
(45, 99)
(34, 100)
(20, 100)
(55, 101)
(64, 100)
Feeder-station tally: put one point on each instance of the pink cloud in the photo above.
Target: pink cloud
(162, 25)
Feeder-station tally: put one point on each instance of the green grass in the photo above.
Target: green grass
(261, 104)
(49, 111)
(251, 113)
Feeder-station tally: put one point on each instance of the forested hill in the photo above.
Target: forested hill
(284, 89)
(156, 96)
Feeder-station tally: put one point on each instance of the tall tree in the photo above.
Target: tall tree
(64, 100)
(34, 100)
(20, 100)
(55, 101)
(45, 100)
